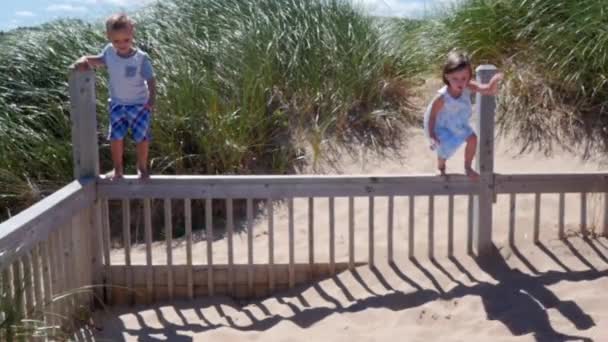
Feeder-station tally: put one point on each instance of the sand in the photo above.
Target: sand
(553, 291)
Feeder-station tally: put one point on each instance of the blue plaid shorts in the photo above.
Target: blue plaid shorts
(125, 117)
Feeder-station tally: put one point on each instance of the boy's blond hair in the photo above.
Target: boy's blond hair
(118, 21)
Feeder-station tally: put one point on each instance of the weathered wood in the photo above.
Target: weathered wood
(584, 213)
(486, 107)
(291, 232)
(351, 233)
(450, 226)
(28, 285)
(230, 232)
(270, 211)
(311, 230)
(332, 236)
(537, 199)
(512, 208)
(168, 242)
(126, 239)
(21, 232)
(390, 228)
(250, 236)
(411, 227)
(431, 251)
(605, 227)
(562, 209)
(371, 231)
(47, 282)
(470, 223)
(575, 182)
(84, 123)
(148, 238)
(62, 270)
(18, 288)
(56, 277)
(209, 231)
(97, 245)
(283, 186)
(188, 222)
(107, 246)
(37, 270)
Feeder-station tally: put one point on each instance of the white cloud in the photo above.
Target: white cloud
(66, 8)
(25, 14)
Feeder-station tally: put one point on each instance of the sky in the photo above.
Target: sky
(33, 12)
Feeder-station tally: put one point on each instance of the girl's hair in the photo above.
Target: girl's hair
(456, 61)
(118, 21)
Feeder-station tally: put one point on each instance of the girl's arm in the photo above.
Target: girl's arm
(435, 108)
(490, 88)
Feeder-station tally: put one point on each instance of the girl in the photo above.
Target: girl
(446, 120)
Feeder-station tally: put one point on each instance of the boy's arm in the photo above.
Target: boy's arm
(152, 89)
(86, 62)
(435, 108)
(490, 88)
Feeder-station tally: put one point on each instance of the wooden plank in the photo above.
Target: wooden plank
(512, 208)
(38, 278)
(584, 214)
(18, 288)
(61, 271)
(55, 272)
(283, 186)
(574, 182)
(168, 244)
(390, 228)
(107, 245)
(561, 215)
(450, 226)
(84, 123)
(126, 230)
(33, 225)
(47, 282)
(250, 236)
(291, 233)
(431, 251)
(537, 199)
(470, 224)
(97, 245)
(371, 231)
(230, 232)
(411, 232)
(311, 230)
(188, 222)
(28, 285)
(271, 276)
(332, 236)
(605, 228)
(351, 233)
(209, 224)
(148, 238)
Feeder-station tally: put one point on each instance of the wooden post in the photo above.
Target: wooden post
(84, 124)
(85, 151)
(486, 105)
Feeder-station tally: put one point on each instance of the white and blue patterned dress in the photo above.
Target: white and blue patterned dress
(452, 126)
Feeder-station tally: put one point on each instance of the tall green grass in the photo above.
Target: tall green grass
(239, 83)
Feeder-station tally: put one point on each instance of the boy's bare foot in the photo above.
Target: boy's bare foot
(116, 176)
(472, 174)
(143, 174)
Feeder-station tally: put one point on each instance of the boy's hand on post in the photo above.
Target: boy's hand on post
(82, 64)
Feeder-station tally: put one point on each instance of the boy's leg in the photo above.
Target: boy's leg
(116, 147)
(142, 159)
(469, 154)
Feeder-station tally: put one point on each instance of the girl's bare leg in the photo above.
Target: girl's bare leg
(441, 166)
(469, 154)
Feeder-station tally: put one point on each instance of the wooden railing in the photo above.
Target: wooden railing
(47, 252)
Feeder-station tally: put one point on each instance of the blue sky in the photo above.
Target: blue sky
(33, 12)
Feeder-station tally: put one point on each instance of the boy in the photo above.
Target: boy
(132, 91)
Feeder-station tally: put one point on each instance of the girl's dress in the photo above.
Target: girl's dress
(452, 126)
